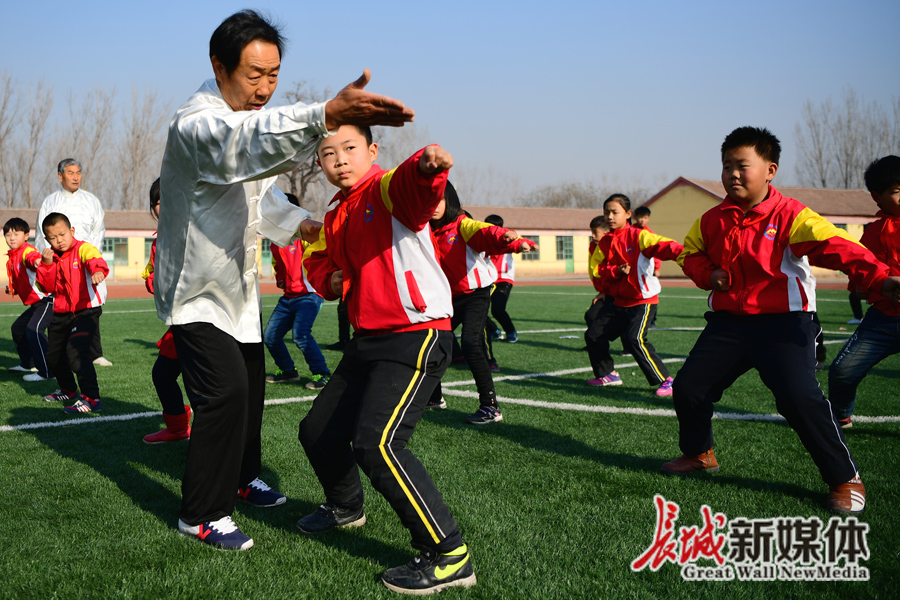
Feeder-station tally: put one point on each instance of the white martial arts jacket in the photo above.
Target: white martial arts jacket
(84, 213)
(217, 193)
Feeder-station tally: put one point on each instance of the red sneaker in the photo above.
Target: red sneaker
(688, 464)
(847, 498)
(178, 427)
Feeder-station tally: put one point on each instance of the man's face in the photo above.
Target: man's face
(70, 178)
(15, 239)
(254, 80)
(345, 157)
(59, 236)
(746, 176)
(889, 200)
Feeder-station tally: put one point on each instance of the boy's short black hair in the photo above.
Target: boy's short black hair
(641, 211)
(154, 195)
(763, 142)
(16, 224)
(293, 199)
(599, 222)
(366, 132)
(232, 36)
(883, 174)
(53, 219)
(494, 220)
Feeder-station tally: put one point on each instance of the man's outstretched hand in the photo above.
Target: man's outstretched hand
(355, 106)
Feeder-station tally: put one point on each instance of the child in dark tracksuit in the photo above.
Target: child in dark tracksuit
(376, 251)
(28, 330)
(753, 251)
(625, 265)
(74, 272)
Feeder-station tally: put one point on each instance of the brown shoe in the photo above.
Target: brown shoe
(847, 498)
(688, 464)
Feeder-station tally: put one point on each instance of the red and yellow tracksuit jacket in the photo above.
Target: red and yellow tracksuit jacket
(505, 267)
(379, 236)
(767, 254)
(69, 278)
(21, 271)
(638, 248)
(166, 343)
(882, 237)
(288, 266)
(461, 244)
(595, 257)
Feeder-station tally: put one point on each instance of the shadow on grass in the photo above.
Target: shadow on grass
(145, 343)
(542, 440)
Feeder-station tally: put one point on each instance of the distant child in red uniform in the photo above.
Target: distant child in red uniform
(74, 272)
(599, 228)
(296, 310)
(28, 330)
(626, 269)
(878, 335)
(167, 368)
(754, 250)
(506, 278)
(376, 251)
(460, 240)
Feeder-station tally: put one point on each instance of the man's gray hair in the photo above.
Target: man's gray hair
(68, 162)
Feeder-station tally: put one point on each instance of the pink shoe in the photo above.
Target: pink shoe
(665, 388)
(611, 379)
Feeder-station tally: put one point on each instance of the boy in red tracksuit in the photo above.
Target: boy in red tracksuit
(376, 251)
(626, 258)
(599, 228)
(74, 272)
(754, 251)
(506, 278)
(296, 310)
(461, 242)
(167, 368)
(878, 335)
(28, 330)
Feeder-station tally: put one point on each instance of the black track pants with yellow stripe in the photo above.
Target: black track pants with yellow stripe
(365, 416)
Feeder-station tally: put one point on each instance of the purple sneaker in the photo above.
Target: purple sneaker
(665, 388)
(611, 379)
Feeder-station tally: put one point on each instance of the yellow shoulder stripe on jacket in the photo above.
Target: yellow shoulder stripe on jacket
(87, 251)
(317, 246)
(809, 226)
(647, 239)
(385, 185)
(693, 243)
(145, 274)
(469, 227)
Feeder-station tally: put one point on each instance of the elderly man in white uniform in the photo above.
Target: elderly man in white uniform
(223, 154)
(84, 213)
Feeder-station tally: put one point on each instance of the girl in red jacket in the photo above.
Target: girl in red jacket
(626, 264)
(459, 241)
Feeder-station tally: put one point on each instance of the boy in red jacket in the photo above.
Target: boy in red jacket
(754, 252)
(28, 330)
(297, 310)
(376, 251)
(74, 272)
(878, 335)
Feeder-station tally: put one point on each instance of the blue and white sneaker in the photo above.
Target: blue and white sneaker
(513, 337)
(259, 494)
(222, 534)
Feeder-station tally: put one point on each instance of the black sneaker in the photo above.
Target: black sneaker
(317, 382)
(281, 376)
(495, 368)
(431, 572)
(437, 405)
(512, 338)
(328, 516)
(485, 415)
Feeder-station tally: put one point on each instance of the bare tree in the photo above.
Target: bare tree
(7, 129)
(142, 146)
(40, 104)
(836, 145)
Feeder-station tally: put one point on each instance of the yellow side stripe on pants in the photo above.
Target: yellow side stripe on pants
(641, 337)
(384, 434)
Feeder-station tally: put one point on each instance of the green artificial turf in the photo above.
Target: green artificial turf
(553, 502)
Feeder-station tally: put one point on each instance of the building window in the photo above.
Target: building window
(148, 244)
(564, 247)
(118, 247)
(531, 255)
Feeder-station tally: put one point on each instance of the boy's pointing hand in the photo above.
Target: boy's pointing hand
(435, 159)
(891, 289)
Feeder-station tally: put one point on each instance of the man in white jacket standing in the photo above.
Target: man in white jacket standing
(223, 154)
(84, 213)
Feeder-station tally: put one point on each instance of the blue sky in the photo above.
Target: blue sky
(546, 91)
